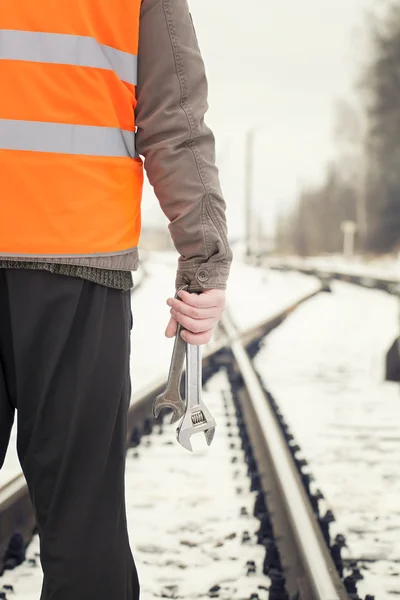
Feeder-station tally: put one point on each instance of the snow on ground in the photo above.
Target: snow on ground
(256, 294)
(185, 524)
(325, 368)
(253, 295)
(185, 528)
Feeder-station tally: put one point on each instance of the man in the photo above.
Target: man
(78, 78)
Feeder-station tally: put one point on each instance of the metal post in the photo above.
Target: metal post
(249, 158)
(348, 245)
(260, 236)
(361, 202)
(349, 229)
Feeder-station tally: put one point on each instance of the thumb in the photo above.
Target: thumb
(171, 328)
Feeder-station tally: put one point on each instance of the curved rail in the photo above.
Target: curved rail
(367, 280)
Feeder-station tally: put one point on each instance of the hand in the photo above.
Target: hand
(197, 313)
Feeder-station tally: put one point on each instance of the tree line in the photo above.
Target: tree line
(362, 183)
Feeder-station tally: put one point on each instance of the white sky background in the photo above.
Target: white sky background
(279, 65)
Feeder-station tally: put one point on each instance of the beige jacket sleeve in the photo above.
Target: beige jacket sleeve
(178, 148)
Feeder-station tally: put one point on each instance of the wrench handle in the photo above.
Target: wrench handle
(178, 357)
(178, 354)
(193, 379)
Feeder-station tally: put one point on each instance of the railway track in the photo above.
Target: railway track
(390, 285)
(386, 284)
(301, 562)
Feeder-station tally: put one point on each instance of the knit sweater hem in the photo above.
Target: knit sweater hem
(120, 280)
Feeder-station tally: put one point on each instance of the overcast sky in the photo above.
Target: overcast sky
(280, 66)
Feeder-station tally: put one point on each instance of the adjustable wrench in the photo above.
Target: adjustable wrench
(171, 396)
(197, 416)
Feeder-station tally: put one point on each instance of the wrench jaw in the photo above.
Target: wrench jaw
(196, 419)
(177, 409)
(209, 434)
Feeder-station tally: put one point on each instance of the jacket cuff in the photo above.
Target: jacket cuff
(204, 276)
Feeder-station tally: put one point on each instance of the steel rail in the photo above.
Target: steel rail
(315, 576)
(371, 281)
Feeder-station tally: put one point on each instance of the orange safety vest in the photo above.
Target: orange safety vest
(71, 181)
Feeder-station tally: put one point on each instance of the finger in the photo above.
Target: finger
(206, 299)
(171, 328)
(194, 325)
(191, 311)
(197, 339)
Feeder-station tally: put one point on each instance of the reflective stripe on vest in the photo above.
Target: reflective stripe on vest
(57, 48)
(66, 139)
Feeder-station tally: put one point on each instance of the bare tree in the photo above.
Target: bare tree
(382, 96)
(362, 183)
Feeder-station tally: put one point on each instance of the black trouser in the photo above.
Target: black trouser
(64, 365)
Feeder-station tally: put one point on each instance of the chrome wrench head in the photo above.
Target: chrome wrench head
(197, 417)
(171, 397)
(195, 422)
(173, 401)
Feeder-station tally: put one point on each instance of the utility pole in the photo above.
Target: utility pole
(349, 229)
(260, 236)
(249, 188)
(361, 202)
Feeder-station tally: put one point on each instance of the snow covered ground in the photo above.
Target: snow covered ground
(253, 295)
(325, 368)
(185, 524)
(192, 508)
